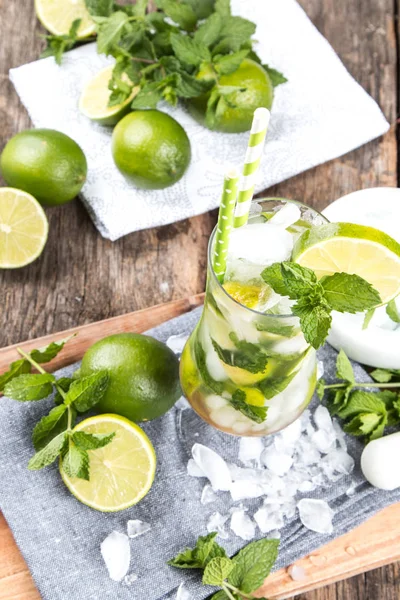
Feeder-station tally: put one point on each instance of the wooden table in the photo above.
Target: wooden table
(82, 278)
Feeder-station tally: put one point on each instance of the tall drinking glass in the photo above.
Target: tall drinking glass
(246, 368)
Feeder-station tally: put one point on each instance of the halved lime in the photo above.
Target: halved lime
(122, 472)
(354, 249)
(57, 16)
(93, 102)
(23, 228)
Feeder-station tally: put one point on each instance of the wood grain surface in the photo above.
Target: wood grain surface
(82, 278)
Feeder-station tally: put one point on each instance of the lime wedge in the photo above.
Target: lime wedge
(23, 228)
(122, 472)
(354, 249)
(247, 294)
(57, 16)
(93, 102)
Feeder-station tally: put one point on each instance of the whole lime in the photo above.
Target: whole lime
(45, 163)
(144, 375)
(151, 148)
(235, 114)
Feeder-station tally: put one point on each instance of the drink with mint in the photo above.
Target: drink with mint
(247, 368)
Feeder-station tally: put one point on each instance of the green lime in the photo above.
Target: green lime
(45, 163)
(122, 472)
(236, 115)
(144, 375)
(151, 148)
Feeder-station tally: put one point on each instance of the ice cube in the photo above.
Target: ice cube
(306, 486)
(324, 440)
(338, 461)
(208, 495)
(241, 427)
(131, 578)
(224, 417)
(277, 462)
(292, 432)
(215, 402)
(193, 470)
(322, 418)
(297, 573)
(340, 436)
(135, 527)
(177, 342)
(242, 525)
(316, 515)
(242, 490)
(116, 553)
(260, 244)
(268, 520)
(182, 593)
(250, 449)
(182, 403)
(213, 466)
(320, 369)
(305, 420)
(286, 216)
(216, 522)
(307, 453)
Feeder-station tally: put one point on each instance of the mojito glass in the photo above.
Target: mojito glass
(246, 368)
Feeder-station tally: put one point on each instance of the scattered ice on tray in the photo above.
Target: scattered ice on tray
(182, 593)
(213, 466)
(208, 495)
(116, 553)
(131, 578)
(177, 342)
(250, 449)
(316, 515)
(216, 522)
(135, 527)
(320, 369)
(193, 470)
(268, 518)
(276, 461)
(242, 525)
(297, 573)
(244, 489)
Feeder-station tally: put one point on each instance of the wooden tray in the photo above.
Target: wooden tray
(373, 544)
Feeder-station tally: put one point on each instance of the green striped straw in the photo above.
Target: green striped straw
(251, 165)
(225, 223)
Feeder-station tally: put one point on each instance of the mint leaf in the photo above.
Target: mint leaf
(385, 375)
(64, 383)
(229, 63)
(238, 27)
(148, 97)
(223, 7)
(188, 51)
(47, 354)
(75, 461)
(185, 560)
(276, 327)
(92, 441)
(86, 392)
(58, 44)
(30, 388)
(315, 321)
(344, 370)
(100, 8)
(275, 76)
(299, 281)
(258, 414)
(392, 311)
(249, 356)
(363, 402)
(17, 368)
(50, 426)
(197, 558)
(253, 564)
(274, 278)
(371, 425)
(221, 596)
(349, 293)
(190, 87)
(49, 453)
(271, 387)
(320, 389)
(217, 571)
(368, 317)
(110, 31)
(202, 8)
(208, 33)
(182, 14)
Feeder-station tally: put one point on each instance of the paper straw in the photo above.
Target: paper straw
(251, 165)
(225, 223)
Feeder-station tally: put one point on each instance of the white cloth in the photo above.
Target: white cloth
(321, 113)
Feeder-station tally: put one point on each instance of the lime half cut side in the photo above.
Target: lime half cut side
(93, 102)
(122, 472)
(354, 249)
(23, 228)
(57, 16)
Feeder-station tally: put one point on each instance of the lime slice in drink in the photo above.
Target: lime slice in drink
(249, 295)
(57, 16)
(23, 228)
(93, 102)
(354, 249)
(122, 472)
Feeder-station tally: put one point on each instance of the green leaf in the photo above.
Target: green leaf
(250, 357)
(139, 9)
(276, 326)
(361, 401)
(50, 426)
(393, 312)
(47, 354)
(49, 453)
(370, 425)
(86, 392)
(75, 462)
(315, 321)
(299, 281)
(100, 8)
(275, 76)
(344, 369)
(188, 51)
(200, 357)
(17, 368)
(229, 63)
(238, 27)
(253, 564)
(64, 383)
(349, 293)
(148, 97)
(274, 278)
(185, 560)
(182, 14)
(271, 387)
(190, 87)
(220, 596)
(29, 388)
(385, 375)
(368, 317)
(58, 44)
(223, 7)
(320, 389)
(202, 8)
(92, 441)
(110, 31)
(258, 414)
(197, 558)
(217, 571)
(208, 33)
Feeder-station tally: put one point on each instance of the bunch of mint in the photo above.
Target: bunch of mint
(315, 300)
(366, 413)
(178, 52)
(238, 577)
(53, 435)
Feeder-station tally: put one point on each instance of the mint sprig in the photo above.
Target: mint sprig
(239, 576)
(58, 44)
(315, 300)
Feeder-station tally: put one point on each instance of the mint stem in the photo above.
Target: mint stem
(379, 385)
(235, 589)
(227, 592)
(33, 362)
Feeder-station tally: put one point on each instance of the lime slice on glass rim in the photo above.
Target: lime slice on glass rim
(122, 472)
(94, 99)
(23, 228)
(57, 16)
(353, 249)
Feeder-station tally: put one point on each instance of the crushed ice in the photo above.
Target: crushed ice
(182, 593)
(116, 553)
(135, 527)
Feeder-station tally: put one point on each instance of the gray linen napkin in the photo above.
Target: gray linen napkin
(60, 538)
